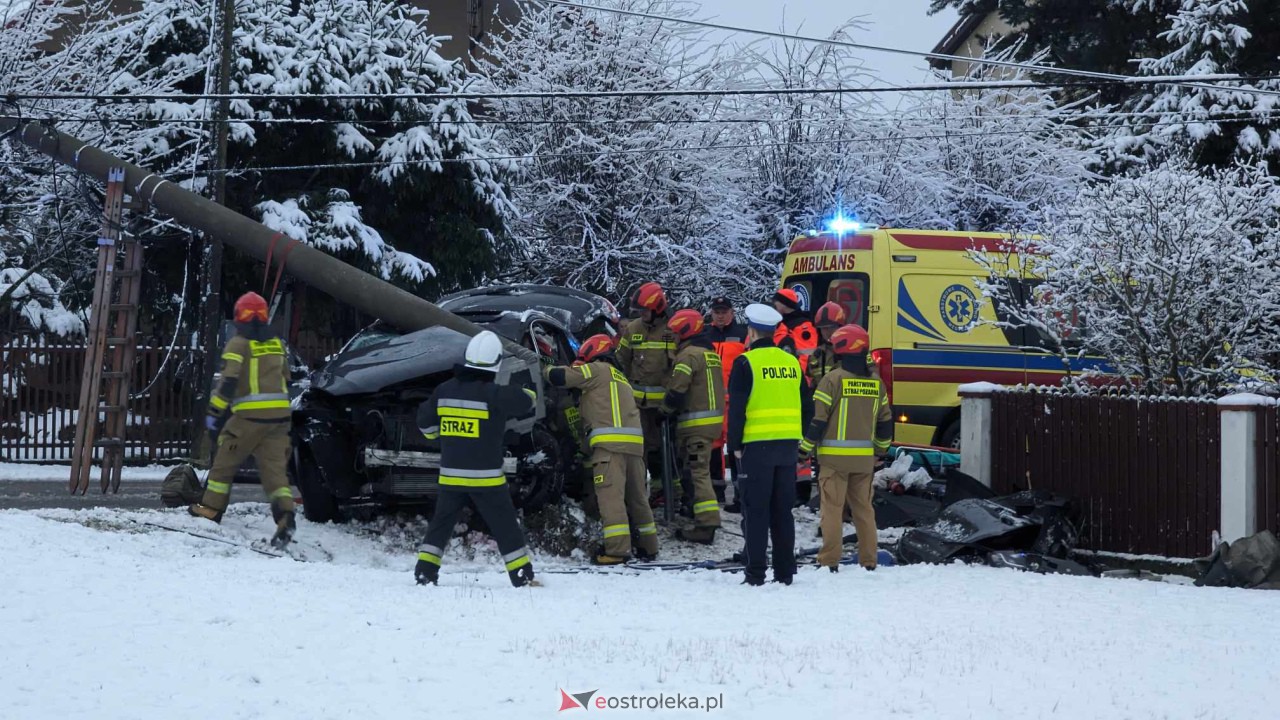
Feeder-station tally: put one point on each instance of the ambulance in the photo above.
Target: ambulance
(916, 292)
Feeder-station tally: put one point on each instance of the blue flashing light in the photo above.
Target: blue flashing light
(841, 225)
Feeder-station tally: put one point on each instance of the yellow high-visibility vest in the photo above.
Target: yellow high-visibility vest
(773, 409)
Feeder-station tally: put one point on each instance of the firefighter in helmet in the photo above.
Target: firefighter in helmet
(796, 333)
(852, 425)
(695, 397)
(829, 318)
(609, 415)
(646, 353)
(468, 415)
(249, 414)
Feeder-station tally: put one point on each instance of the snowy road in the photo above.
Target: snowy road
(106, 618)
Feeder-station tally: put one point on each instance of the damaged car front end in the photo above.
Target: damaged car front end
(356, 440)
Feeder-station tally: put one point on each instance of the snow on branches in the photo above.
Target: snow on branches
(1171, 274)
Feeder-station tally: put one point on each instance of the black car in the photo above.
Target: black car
(584, 314)
(356, 440)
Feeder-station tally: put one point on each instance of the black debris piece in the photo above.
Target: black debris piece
(1252, 562)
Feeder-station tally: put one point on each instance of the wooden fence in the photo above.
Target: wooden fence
(1146, 470)
(1268, 468)
(40, 384)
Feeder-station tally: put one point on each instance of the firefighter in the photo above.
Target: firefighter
(646, 353)
(852, 426)
(767, 408)
(829, 318)
(795, 334)
(609, 414)
(695, 396)
(254, 391)
(729, 338)
(468, 415)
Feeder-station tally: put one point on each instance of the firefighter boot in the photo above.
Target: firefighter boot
(522, 575)
(701, 535)
(601, 557)
(204, 511)
(286, 524)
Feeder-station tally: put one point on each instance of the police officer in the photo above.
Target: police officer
(254, 389)
(795, 334)
(468, 414)
(852, 425)
(608, 411)
(767, 409)
(829, 318)
(646, 352)
(695, 396)
(729, 338)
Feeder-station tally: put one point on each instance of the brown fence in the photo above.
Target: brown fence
(40, 384)
(1268, 468)
(1146, 470)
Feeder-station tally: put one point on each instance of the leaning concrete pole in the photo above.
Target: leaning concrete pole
(371, 295)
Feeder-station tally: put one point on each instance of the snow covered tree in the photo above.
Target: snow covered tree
(994, 160)
(1172, 275)
(1220, 122)
(617, 190)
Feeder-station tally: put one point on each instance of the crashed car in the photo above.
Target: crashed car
(355, 435)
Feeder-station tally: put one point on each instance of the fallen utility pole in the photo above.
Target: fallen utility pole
(371, 295)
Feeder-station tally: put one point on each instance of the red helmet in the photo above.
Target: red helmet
(829, 315)
(251, 307)
(650, 296)
(686, 323)
(595, 347)
(850, 340)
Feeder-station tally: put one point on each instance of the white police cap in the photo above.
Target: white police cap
(762, 317)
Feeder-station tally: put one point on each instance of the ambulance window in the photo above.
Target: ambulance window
(851, 294)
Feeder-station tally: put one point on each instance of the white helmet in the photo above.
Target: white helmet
(484, 352)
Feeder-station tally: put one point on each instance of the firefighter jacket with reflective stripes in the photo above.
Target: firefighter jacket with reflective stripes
(468, 415)
(695, 390)
(852, 421)
(798, 336)
(645, 354)
(606, 406)
(822, 361)
(767, 397)
(254, 384)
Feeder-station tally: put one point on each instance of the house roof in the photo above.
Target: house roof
(956, 37)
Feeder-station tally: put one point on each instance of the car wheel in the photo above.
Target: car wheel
(950, 437)
(318, 504)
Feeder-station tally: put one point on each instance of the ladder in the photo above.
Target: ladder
(112, 346)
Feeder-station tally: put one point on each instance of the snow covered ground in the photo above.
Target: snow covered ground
(104, 617)
(61, 473)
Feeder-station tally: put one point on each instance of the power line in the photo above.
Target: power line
(902, 117)
(1182, 81)
(1119, 80)
(691, 148)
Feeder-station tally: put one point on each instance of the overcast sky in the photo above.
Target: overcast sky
(893, 23)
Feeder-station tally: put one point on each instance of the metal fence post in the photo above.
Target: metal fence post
(976, 442)
(1239, 417)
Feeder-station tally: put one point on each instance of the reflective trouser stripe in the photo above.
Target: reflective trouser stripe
(260, 401)
(705, 506)
(455, 481)
(218, 402)
(846, 451)
(429, 557)
(283, 492)
(433, 550)
(699, 419)
(616, 530)
(518, 562)
(647, 529)
(467, 473)
(218, 487)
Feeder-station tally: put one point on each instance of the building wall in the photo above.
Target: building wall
(464, 20)
(992, 26)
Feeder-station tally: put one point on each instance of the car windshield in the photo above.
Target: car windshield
(367, 337)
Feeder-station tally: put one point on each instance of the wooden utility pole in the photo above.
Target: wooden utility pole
(212, 249)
